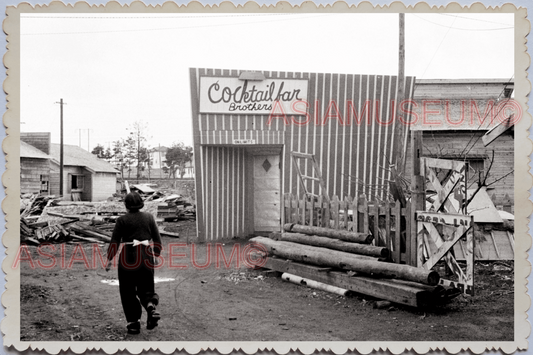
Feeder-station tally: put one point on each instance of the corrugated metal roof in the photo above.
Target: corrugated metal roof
(29, 151)
(76, 156)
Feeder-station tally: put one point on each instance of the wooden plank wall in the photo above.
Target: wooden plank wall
(30, 174)
(351, 156)
(223, 184)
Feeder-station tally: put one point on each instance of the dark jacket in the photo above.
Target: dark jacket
(135, 226)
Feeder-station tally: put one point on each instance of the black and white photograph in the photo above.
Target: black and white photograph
(327, 176)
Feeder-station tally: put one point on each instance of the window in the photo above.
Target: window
(475, 168)
(44, 184)
(76, 182)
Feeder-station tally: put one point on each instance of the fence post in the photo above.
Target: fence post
(388, 234)
(398, 234)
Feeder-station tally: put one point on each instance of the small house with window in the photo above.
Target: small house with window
(85, 177)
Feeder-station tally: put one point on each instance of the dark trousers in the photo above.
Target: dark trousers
(136, 286)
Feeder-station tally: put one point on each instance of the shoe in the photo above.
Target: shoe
(134, 327)
(153, 316)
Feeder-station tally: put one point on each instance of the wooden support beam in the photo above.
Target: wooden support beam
(496, 131)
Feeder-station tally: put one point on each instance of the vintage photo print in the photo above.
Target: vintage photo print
(254, 176)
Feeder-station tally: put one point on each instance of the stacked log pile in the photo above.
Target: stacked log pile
(347, 260)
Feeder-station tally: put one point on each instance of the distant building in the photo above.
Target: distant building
(158, 157)
(85, 177)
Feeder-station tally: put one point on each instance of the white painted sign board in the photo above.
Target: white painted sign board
(231, 95)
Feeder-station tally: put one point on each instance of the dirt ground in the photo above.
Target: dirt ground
(241, 304)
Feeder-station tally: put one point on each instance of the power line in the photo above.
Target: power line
(164, 29)
(473, 19)
(436, 51)
(466, 29)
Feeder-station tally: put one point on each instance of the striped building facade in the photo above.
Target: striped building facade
(243, 160)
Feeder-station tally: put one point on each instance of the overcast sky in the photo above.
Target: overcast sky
(113, 70)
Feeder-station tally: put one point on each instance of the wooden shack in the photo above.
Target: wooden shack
(85, 177)
(258, 134)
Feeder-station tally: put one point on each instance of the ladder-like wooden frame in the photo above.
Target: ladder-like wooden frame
(303, 178)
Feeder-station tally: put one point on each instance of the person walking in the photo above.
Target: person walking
(136, 263)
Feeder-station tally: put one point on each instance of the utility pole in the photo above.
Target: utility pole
(61, 103)
(403, 131)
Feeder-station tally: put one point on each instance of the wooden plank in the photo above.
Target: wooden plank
(495, 246)
(406, 294)
(301, 210)
(327, 213)
(445, 164)
(283, 212)
(443, 247)
(410, 237)
(377, 238)
(302, 155)
(496, 131)
(312, 212)
(398, 234)
(335, 206)
(346, 209)
(355, 215)
(388, 241)
(321, 211)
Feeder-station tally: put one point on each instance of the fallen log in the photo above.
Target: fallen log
(342, 260)
(336, 244)
(328, 232)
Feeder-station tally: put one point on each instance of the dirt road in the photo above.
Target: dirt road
(240, 304)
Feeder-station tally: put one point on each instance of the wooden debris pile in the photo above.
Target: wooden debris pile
(171, 207)
(347, 260)
(47, 220)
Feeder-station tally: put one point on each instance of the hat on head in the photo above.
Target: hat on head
(133, 201)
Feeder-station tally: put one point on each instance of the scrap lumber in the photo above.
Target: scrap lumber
(335, 244)
(81, 230)
(94, 229)
(397, 291)
(328, 232)
(90, 240)
(169, 234)
(347, 261)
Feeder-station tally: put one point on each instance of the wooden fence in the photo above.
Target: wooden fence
(386, 221)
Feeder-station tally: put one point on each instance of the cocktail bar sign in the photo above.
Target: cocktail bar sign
(230, 95)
